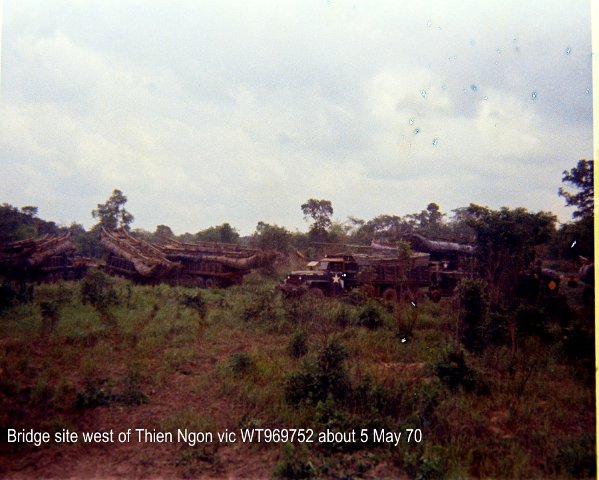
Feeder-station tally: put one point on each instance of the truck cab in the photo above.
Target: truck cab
(331, 275)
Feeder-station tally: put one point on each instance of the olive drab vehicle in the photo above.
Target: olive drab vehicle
(450, 263)
(381, 276)
(379, 270)
(330, 276)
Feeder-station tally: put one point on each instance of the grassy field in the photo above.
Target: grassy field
(104, 354)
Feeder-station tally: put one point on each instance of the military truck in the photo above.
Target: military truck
(202, 264)
(450, 263)
(383, 276)
(46, 259)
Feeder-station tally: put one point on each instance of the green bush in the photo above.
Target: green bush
(298, 345)
(260, 306)
(196, 302)
(293, 465)
(241, 364)
(321, 378)
(452, 370)
(96, 393)
(14, 293)
(370, 316)
(98, 289)
(474, 303)
(49, 317)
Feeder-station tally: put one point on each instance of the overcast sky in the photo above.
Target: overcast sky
(210, 112)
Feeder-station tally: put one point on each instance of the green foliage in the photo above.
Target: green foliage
(112, 213)
(98, 393)
(224, 233)
(581, 177)
(50, 316)
(474, 304)
(384, 227)
(381, 385)
(195, 301)
(505, 244)
(163, 233)
(132, 394)
(241, 364)
(581, 231)
(430, 222)
(452, 370)
(98, 289)
(293, 465)
(259, 307)
(298, 345)
(427, 466)
(272, 237)
(371, 316)
(8, 296)
(320, 211)
(23, 224)
(95, 394)
(321, 378)
(578, 349)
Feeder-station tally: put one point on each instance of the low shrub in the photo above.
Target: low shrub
(241, 364)
(194, 301)
(452, 370)
(371, 316)
(320, 378)
(298, 345)
(474, 303)
(98, 289)
(293, 465)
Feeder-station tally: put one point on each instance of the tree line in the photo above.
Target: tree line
(505, 236)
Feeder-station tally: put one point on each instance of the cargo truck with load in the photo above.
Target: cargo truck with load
(384, 276)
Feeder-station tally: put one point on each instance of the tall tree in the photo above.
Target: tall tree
(505, 244)
(163, 233)
(272, 237)
(581, 177)
(112, 213)
(320, 211)
(222, 233)
(577, 238)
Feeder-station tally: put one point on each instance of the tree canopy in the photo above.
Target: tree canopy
(320, 211)
(222, 233)
(505, 244)
(112, 214)
(581, 177)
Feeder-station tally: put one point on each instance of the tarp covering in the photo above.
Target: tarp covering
(423, 244)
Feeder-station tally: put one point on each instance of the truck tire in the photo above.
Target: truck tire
(390, 295)
(210, 283)
(316, 292)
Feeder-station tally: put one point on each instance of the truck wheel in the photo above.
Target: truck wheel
(390, 295)
(316, 292)
(369, 290)
(210, 283)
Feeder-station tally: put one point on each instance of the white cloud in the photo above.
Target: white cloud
(213, 112)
